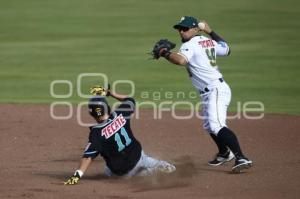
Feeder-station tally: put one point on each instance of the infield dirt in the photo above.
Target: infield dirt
(39, 153)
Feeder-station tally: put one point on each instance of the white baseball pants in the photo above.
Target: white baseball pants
(146, 166)
(214, 107)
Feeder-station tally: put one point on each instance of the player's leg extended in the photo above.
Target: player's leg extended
(223, 96)
(148, 165)
(223, 155)
(227, 136)
(151, 164)
(215, 106)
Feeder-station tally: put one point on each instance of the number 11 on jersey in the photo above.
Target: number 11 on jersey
(120, 144)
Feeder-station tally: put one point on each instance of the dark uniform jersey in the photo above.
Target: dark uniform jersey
(114, 141)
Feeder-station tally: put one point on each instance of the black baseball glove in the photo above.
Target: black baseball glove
(162, 48)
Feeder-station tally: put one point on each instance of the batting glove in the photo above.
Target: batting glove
(99, 90)
(73, 180)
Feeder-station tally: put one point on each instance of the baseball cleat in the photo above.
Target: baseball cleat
(167, 168)
(241, 164)
(221, 158)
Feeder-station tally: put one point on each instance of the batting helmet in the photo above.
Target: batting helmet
(98, 106)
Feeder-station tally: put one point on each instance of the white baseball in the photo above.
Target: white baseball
(201, 25)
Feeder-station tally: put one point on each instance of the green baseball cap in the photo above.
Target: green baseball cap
(187, 21)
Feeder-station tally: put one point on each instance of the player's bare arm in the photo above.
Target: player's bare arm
(85, 163)
(177, 59)
(163, 48)
(100, 90)
(211, 33)
(206, 28)
(223, 49)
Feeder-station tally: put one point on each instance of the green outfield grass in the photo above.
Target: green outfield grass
(42, 41)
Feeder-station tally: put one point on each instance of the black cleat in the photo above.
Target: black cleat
(240, 164)
(221, 158)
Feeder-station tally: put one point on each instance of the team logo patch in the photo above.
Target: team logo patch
(113, 127)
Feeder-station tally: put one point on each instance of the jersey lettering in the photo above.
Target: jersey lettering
(201, 59)
(207, 43)
(113, 127)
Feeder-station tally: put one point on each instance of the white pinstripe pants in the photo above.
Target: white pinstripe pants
(214, 107)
